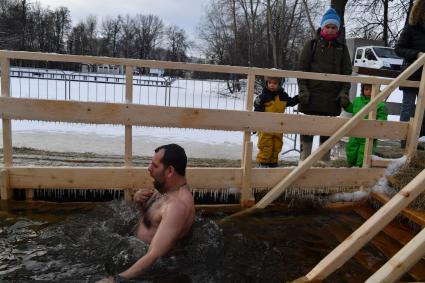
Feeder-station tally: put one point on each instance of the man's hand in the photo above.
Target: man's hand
(420, 54)
(142, 195)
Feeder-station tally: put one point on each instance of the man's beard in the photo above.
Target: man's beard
(159, 186)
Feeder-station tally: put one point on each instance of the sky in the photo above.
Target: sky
(186, 14)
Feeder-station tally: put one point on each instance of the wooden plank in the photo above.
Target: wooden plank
(325, 147)
(205, 178)
(362, 256)
(148, 115)
(397, 232)
(367, 157)
(247, 197)
(402, 262)
(29, 195)
(38, 56)
(414, 131)
(383, 163)
(414, 215)
(128, 155)
(115, 177)
(368, 230)
(248, 107)
(376, 72)
(7, 143)
(6, 123)
(319, 177)
(5, 191)
(394, 230)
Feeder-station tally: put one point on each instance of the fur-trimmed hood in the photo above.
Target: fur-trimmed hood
(417, 15)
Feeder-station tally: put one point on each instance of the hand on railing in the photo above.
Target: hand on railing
(420, 54)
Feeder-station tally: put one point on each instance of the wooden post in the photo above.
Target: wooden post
(349, 125)
(5, 191)
(367, 157)
(29, 194)
(368, 230)
(7, 126)
(414, 131)
(249, 105)
(402, 261)
(128, 128)
(247, 198)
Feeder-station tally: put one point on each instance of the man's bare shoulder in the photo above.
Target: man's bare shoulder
(180, 203)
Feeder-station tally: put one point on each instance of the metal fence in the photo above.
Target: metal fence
(149, 90)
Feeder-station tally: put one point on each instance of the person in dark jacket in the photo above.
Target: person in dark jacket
(410, 46)
(326, 54)
(272, 99)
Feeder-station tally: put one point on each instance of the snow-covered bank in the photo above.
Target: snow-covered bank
(97, 139)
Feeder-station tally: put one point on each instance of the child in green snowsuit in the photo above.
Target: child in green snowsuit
(355, 146)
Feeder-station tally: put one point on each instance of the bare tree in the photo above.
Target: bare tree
(61, 27)
(110, 32)
(371, 18)
(250, 9)
(148, 33)
(308, 15)
(176, 44)
(128, 31)
(339, 6)
(261, 33)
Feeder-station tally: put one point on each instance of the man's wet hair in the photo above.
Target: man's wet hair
(174, 155)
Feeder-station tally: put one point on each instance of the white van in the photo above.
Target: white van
(377, 57)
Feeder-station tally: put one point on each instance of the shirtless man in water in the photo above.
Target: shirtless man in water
(168, 211)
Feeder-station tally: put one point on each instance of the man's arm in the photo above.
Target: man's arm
(168, 232)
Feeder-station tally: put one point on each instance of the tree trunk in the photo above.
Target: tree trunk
(339, 6)
(409, 9)
(271, 33)
(385, 23)
(310, 21)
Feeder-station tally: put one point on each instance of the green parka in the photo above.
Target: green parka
(324, 97)
(355, 146)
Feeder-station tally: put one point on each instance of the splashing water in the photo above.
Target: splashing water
(88, 247)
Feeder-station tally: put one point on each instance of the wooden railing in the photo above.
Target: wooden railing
(129, 114)
(245, 177)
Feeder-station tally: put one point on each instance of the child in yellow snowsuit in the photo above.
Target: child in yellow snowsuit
(272, 99)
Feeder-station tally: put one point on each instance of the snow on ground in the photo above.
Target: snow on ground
(109, 139)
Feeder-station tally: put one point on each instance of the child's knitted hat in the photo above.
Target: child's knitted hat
(330, 17)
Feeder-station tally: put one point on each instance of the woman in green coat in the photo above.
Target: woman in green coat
(355, 146)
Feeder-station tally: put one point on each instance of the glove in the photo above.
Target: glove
(344, 100)
(304, 97)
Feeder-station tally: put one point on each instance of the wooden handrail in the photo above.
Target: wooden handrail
(195, 118)
(39, 56)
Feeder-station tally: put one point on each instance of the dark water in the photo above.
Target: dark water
(84, 243)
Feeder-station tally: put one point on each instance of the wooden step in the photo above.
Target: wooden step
(395, 230)
(414, 215)
(393, 238)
